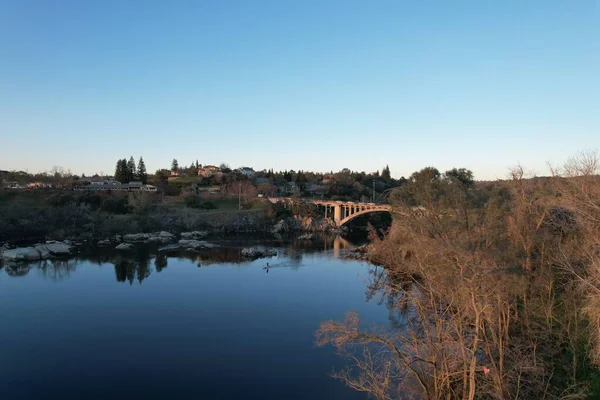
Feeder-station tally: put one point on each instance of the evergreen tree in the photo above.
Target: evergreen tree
(197, 166)
(121, 171)
(174, 165)
(141, 171)
(385, 174)
(131, 170)
(193, 170)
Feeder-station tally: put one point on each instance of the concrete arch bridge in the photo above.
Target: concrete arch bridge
(342, 211)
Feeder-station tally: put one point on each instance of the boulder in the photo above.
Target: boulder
(164, 237)
(43, 250)
(195, 244)
(307, 236)
(280, 227)
(104, 242)
(255, 252)
(155, 239)
(196, 235)
(136, 237)
(59, 249)
(21, 254)
(125, 247)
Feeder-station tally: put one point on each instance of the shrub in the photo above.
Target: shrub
(115, 205)
(208, 205)
(192, 201)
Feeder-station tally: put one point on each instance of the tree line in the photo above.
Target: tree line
(126, 171)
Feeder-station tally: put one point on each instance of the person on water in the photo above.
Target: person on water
(266, 267)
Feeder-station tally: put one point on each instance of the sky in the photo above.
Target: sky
(299, 84)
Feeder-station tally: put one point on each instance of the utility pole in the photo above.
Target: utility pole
(373, 190)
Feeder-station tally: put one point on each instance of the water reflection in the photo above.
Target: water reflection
(391, 290)
(105, 335)
(139, 264)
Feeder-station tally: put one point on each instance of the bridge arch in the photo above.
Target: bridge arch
(342, 211)
(362, 212)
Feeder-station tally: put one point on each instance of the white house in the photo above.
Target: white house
(246, 171)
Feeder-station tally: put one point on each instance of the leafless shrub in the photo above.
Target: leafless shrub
(486, 288)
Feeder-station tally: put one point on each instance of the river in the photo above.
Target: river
(205, 326)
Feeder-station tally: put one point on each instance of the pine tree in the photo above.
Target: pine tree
(385, 173)
(174, 165)
(121, 171)
(131, 170)
(141, 171)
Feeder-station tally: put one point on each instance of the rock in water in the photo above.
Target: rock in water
(136, 237)
(196, 244)
(255, 252)
(125, 246)
(197, 235)
(307, 236)
(104, 242)
(21, 254)
(59, 249)
(43, 250)
(166, 237)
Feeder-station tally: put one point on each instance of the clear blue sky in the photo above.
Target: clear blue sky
(313, 85)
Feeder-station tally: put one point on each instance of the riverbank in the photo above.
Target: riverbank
(31, 218)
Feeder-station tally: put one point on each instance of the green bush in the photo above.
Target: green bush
(115, 205)
(192, 201)
(93, 199)
(208, 205)
(172, 190)
(60, 199)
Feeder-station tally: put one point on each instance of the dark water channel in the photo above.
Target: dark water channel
(195, 326)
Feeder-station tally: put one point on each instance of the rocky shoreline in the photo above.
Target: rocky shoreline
(192, 241)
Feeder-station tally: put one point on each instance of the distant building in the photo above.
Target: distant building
(208, 170)
(246, 171)
(103, 181)
(39, 185)
(134, 186)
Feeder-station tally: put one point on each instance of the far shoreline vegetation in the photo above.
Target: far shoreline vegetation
(57, 205)
(493, 288)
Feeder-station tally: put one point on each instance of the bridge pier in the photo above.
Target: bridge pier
(337, 214)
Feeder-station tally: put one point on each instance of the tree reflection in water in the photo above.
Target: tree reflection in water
(137, 265)
(57, 270)
(391, 290)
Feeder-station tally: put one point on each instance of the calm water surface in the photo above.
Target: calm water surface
(113, 327)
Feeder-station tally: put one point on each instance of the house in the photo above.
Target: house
(134, 186)
(246, 171)
(39, 185)
(138, 186)
(208, 170)
(103, 181)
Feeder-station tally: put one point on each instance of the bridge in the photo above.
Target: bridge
(342, 211)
